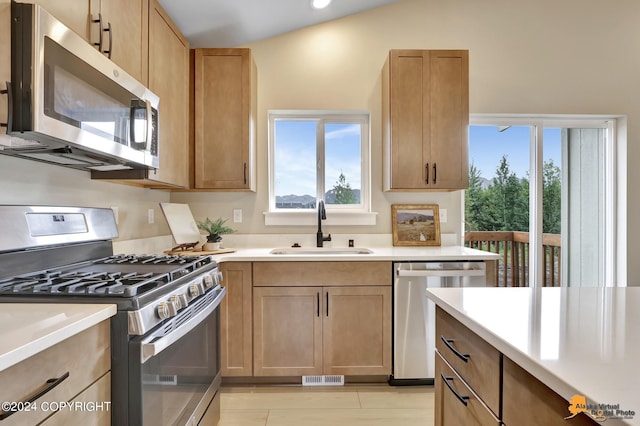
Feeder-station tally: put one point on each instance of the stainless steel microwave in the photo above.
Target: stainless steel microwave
(72, 106)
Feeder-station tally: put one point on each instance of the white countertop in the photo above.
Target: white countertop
(578, 341)
(430, 253)
(29, 328)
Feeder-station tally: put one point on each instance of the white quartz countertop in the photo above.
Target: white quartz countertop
(578, 341)
(430, 253)
(29, 328)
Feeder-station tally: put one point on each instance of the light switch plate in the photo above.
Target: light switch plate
(443, 215)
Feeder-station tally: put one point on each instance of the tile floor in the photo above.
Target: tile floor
(370, 405)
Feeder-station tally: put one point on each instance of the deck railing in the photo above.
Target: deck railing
(512, 269)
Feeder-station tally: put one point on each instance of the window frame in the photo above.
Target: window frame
(336, 214)
(538, 123)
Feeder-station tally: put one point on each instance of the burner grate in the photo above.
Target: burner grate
(85, 283)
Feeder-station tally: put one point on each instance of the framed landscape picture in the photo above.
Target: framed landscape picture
(415, 224)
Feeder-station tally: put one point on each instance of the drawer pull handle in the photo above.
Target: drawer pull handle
(49, 384)
(461, 398)
(448, 342)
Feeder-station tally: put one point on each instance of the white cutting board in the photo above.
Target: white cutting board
(182, 224)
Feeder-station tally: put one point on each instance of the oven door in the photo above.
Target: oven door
(175, 369)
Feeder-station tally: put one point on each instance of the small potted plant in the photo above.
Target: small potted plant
(216, 228)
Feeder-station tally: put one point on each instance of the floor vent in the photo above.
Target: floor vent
(322, 380)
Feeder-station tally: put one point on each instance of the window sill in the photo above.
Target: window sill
(310, 218)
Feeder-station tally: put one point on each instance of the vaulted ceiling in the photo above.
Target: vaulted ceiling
(229, 23)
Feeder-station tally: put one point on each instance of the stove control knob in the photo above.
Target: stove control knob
(179, 301)
(207, 281)
(166, 310)
(194, 290)
(217, 277)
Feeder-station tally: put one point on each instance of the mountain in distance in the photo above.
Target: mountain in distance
(307, 201)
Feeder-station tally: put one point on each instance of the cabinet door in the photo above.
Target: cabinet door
(448, 139)
(425, 120)
(169, 79)
(235, 320)
(225, 111)
(357, 330)
(410, 118)
(129, 21)
(455, 403)
(287, 326)
(74, 14)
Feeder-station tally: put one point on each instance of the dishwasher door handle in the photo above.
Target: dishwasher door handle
(441, 273)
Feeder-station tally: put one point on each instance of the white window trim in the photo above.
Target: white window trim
(612, 260)
(336, 215)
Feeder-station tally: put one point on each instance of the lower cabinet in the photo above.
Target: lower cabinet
(236, 337)
(321, 318)
(456, 403)
(526, 398)
(322, 330)
(82, 376)
(475, 384)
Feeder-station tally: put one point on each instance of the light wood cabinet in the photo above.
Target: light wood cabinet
(425, 120)
(74, 14)
(81, 377)
(236, 351)
(225, 120)
(476, 384)
(526, 398)
(168, 77)
(356, 333)
(287, 329)
(479, 364)
(126, 40)
(456, 403)
(313, 318)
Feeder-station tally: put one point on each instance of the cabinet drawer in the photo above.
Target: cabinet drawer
(92, 413)
(456, 403)
(85, 356)
(480, 367)
(526, 398)
(306, 274)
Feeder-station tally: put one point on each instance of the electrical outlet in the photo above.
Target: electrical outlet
(151, 216)
(237, 215)
(443, 215)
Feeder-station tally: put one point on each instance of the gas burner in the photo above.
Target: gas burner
(80, 283)
(145, 259)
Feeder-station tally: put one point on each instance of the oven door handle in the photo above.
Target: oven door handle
(152, 346)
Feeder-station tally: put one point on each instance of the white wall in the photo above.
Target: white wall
(542, 57)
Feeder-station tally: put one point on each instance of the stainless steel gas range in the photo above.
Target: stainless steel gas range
(165, 335)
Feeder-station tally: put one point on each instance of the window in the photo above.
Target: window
(318, 155)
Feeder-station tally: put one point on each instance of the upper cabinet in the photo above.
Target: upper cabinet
(124, 33)
(425, 120)
(225, 120)
(169, 79)
(74, 14)
(118, 28)
(167, 75)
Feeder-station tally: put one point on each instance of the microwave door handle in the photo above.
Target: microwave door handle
(151, 347)
(149, 125)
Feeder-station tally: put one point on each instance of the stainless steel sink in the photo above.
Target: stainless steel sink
(321, 250)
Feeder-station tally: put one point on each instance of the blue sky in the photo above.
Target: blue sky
(487, 146)
(295, 156)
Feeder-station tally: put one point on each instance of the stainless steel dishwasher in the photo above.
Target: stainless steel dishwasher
(414, 314)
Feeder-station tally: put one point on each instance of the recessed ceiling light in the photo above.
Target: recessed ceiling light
(320, 4)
